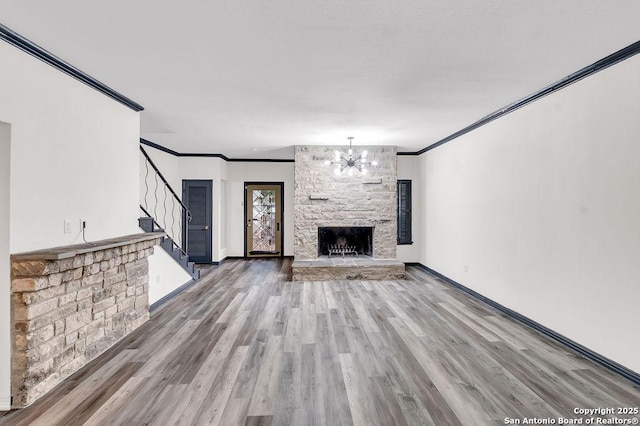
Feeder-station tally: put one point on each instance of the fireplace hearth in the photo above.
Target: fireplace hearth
(345, 241)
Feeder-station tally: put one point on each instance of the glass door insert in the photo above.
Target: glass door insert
(264, 220)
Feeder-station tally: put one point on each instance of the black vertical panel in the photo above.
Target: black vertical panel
(196, 195)
(404, 211)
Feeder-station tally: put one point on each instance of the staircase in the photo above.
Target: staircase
(160, 206)
(148, 224)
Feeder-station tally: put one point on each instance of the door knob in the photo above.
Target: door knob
(206, 227)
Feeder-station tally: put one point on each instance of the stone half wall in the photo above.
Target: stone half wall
(71, 304)
(324, 199)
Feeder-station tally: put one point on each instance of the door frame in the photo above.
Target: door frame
(185, 229)
(6, 352)
(244, 223)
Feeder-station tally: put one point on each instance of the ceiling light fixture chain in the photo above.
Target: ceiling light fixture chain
(350, 162)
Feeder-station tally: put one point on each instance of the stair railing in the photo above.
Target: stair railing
(161, 203)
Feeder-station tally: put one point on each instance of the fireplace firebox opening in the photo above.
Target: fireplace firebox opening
(345, 240)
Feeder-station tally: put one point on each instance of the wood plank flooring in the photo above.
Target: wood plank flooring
(245, 346)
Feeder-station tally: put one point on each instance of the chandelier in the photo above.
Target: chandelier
(350, 162)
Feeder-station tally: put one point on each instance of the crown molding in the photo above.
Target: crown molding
(158, 147)
(222, 156)
(198, 154)
(231, 160)
(260, 160)
(47, 57)
(603, 63)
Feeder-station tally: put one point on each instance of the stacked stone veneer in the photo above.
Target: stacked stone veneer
(66, 312)
(356, 200)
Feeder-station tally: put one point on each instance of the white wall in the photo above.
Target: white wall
(223, 218)
(408, 168)
(74, 154)
(5, 269)
(228, 194)
(420, 205)
(165, 275)
(240, 172)
(543, 205)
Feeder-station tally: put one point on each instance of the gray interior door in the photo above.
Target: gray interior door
(196, 195)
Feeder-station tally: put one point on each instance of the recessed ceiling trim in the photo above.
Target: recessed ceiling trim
(36, 51)
(606, 62)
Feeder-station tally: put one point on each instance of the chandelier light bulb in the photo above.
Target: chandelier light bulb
(326, 163)
(374, 163)
(364, 171)
(337, 155)
(336, 171)
(364, 154)
(350, 171)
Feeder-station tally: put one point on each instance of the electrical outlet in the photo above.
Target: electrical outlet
(466, 268)
(67, 226)
(83, 224)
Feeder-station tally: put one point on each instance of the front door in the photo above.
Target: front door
(196, 195)
(263, 219)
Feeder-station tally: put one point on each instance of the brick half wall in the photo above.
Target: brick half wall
(70, 304)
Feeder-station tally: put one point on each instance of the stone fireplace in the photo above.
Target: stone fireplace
(345, 240)
(326, 205)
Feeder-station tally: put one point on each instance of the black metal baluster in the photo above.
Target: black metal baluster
(164, 213)
(146, 184)
(180, 238)
(155, 196)
(173, 221)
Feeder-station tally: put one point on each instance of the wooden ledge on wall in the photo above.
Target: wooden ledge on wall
(318, 196)
(372, 181)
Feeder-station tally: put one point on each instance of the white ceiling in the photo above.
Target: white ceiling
(254, 78)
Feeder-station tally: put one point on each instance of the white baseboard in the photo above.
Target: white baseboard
(5, 403)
